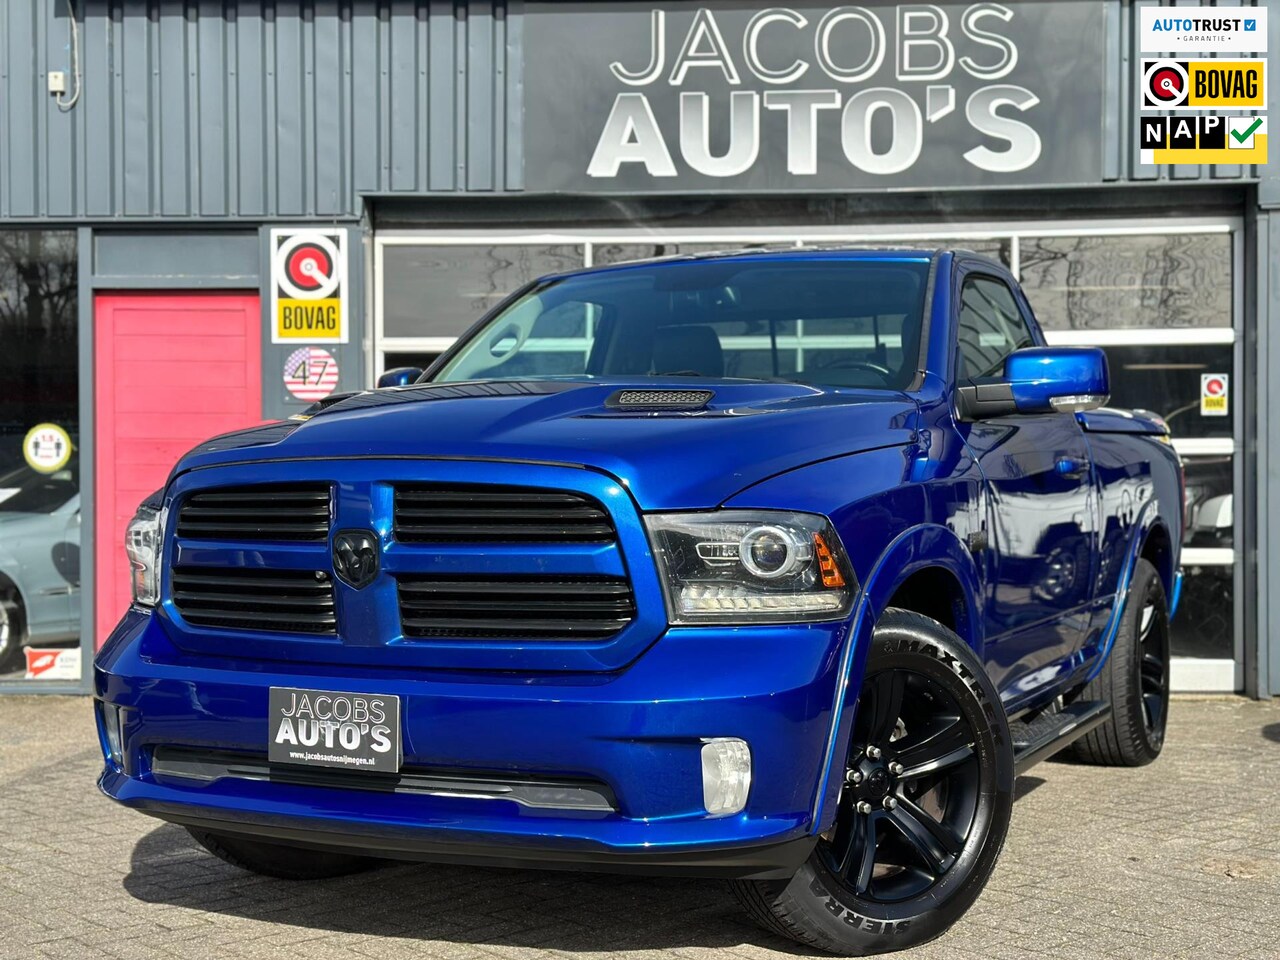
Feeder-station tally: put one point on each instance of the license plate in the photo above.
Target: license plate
(323, 728)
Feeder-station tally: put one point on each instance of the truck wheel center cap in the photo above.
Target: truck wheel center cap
(878, 783)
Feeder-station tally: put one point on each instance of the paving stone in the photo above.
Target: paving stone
(1177, 859)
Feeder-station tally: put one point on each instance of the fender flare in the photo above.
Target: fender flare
(1147, 521)
(920, 548)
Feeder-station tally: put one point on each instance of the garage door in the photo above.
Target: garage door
(170, 370)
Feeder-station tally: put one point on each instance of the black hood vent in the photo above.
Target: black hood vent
(660, 399)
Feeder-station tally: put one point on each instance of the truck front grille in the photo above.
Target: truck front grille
(269, 512)
(515, 607)
(435, 513)
(287, 601)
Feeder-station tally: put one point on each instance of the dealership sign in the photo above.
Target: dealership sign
(637, 96)
(308, 285)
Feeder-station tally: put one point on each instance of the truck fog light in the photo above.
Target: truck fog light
(110, 717)
(726, 775)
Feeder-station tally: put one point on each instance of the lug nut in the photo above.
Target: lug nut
(896, 768)
(864, 807)
(873, 753)
(890, 803)
(853, 776)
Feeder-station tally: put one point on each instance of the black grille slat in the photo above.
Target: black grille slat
(277, 580)
(535, 588)
(289, 601)
(256, 601)
(499, 607)
(427, 513)
(296, 513)
(590, 514)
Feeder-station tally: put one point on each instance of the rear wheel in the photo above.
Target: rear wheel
(278, 859)
(1134, 680)
(924, 808)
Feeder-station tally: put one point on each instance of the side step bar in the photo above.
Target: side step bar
(1050, 732)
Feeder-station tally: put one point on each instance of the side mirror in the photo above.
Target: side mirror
(399, 376)
(1040, 380)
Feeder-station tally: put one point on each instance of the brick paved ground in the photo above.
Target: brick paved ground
(1179, 859)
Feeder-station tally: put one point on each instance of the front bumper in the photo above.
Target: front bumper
(638, 732)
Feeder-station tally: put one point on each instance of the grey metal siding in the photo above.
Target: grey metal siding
(296, 109)
(227, 109)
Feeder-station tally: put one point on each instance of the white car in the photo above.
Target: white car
(39, 561)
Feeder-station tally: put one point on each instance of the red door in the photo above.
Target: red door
(170, 370)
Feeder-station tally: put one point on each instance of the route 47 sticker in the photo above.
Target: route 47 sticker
(311, 373)
(1214, 394)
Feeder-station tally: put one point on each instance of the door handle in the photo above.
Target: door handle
(1071, 467)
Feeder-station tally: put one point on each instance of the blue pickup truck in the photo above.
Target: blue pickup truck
(775, 566)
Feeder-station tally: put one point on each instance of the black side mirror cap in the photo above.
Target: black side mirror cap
(399, 377)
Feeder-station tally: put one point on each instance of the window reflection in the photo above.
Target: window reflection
(1204, 626)
(39, 512)
(1166, 379)
(1210, 510)
(1108, 283)
(440, 291)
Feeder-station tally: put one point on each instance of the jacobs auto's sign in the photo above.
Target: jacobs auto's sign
(635, 96)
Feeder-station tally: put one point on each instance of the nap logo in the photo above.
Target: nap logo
(308, 286)
(1202, 139)
(1204, 84)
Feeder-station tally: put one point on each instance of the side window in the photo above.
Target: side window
(990, 328)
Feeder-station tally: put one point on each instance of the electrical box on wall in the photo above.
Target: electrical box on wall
(57, 81)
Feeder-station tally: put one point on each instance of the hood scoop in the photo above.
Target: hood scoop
(634, 400)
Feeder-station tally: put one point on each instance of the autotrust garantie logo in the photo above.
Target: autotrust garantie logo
(355, 557)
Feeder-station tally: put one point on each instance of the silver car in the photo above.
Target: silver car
(39, 561)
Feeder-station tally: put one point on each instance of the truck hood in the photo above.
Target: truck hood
(671, 459)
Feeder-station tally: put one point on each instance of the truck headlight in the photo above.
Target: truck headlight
(142, 544)
(750, 566)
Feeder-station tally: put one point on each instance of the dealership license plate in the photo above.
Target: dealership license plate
(324, 728)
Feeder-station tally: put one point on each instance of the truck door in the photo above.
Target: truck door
(1039, 559)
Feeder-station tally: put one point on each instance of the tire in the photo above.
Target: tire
(13, 632)
(1134, 680)
(280, 860)
(947, 727)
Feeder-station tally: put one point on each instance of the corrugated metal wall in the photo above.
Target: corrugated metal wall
(293, 109)
(240, 108)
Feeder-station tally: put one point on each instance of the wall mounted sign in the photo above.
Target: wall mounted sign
(1214, 394)
(52, 663)
(1221, 29)
(311, 373)
(730, 96)
(1204, 84)
(47, 448)
(308, 285)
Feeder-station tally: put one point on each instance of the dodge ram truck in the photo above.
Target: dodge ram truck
(775, 566)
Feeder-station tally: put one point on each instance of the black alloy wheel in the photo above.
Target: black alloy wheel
(1153, 664)
(911, 790)
(1134, 679)
(923, 808)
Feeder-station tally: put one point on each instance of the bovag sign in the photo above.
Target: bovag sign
(672, 97)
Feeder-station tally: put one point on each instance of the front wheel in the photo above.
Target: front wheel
(12, 633)
(924, 808)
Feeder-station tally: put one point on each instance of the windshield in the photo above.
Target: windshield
(22, 490)
(834, 322)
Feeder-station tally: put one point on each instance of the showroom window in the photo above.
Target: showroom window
(39, 462)
(1161, 299)
(1163, 306)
